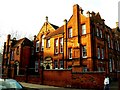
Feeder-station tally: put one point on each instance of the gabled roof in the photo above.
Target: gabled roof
(20, 41)
(98, 15)
(56, 32)
(54, 26)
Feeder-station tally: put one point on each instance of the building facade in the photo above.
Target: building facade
(17, 55)
(83, 43)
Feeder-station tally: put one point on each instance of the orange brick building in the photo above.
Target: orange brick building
(83, 43)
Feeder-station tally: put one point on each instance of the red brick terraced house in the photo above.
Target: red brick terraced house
(17, 55)
(83, 43)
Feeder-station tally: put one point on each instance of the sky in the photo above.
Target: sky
(26, 17)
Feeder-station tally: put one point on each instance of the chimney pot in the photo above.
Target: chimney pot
(46, 18)
(81, 10)
(65, 21)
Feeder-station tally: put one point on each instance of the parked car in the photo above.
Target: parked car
(10, 84)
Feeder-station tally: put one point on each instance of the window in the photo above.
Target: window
(70, 67)
(61, 45)
(69, 32)
(118, 45)
(98, 52)
(56, 46)
(36, 66)
(32, 51)
(102, 52)
(70, 53)
(97, 31)
(56, 64)
(84, 69)
(17, 50)
(37, 46)
(112, 44)
(48, 43)
(84, 51)
(108, 41)
(100, 33)
(110, 65)
(61, 64)
(101, 69)
(83, 29)
(12, 55)
(41, 60)
(42, 43)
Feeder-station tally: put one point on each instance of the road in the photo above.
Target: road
(113, 86)
(45, 87)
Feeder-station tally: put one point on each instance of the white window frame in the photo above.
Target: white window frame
(70, 33)
(42, 43)
(61, 64)
(37, 46)
(97, 31)
(98, 49)
(61, 45)
(83, 29)
(36, 66)
(102, 52)
(84, 51)
(110, 64)
(56, 46)
(70, 53)
(108, 41)
(56, 64)
(101, 36)
(84, 69)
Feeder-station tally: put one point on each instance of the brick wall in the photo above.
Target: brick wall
(57, 77)
(67, 78)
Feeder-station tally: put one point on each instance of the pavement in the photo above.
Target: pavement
(113, 86)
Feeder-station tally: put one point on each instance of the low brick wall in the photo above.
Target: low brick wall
(34, 79)
(88, 80)
(67, 78)
(60, 78)
(20, 78)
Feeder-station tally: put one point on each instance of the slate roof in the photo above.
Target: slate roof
(54, 26)
(20, 41)
(56, 32)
